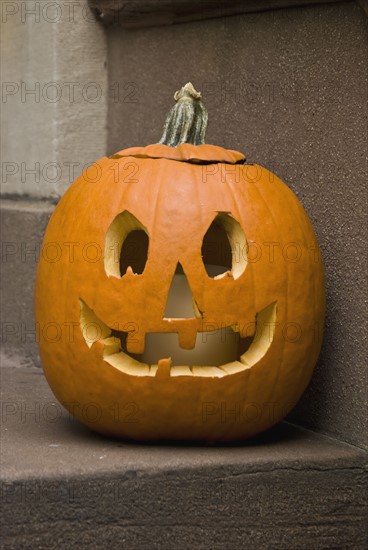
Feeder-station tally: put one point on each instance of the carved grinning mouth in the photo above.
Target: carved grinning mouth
(184, 344)
(96, 332)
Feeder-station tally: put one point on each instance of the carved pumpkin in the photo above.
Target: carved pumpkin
(239, 238)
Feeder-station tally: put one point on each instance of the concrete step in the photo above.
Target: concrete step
(64, 486)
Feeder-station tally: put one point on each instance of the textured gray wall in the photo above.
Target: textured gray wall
(23, 224)
(286, 87)
(54, 95)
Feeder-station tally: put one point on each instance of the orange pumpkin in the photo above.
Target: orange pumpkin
(110, 254)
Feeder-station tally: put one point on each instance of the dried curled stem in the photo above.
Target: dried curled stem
(187, 120)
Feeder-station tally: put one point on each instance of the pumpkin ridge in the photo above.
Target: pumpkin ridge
(279, 363)
(249, 266)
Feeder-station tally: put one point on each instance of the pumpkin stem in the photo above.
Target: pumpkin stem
(187, 120)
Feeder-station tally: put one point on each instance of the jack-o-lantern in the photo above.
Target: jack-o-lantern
(179, 223)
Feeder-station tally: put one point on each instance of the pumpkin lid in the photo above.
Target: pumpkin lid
(185, 152)
(183, 136)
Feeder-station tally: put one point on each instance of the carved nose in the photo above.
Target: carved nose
(180, 302)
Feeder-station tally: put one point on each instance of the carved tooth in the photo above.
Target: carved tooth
(187, 338)
(129, 271)
(111, 345)
(135, 342)
(98, 346)
(223, 275)
(163, 368)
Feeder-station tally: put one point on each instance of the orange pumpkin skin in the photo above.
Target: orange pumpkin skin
(176, 198)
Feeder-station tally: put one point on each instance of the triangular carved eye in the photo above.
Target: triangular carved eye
(126, 246)
(224, 248)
